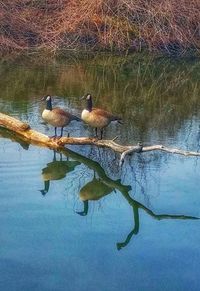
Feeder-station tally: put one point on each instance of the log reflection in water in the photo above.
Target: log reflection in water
(111, 184)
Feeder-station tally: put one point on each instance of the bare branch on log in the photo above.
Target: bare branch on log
(33, 136)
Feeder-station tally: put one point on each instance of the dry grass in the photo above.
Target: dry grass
(172, 26)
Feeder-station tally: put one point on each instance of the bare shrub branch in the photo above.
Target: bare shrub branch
(171, 26)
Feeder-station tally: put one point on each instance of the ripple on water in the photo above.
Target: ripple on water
(17, 164)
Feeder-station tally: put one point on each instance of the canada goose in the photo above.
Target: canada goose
(96, 117)
(56, 170)
(93, 190)
(56, 116)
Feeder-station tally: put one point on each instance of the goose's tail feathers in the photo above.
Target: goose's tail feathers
(118, 119)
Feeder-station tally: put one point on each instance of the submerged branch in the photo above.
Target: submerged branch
(24, 130)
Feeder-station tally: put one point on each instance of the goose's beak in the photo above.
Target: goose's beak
(83, 97)
(42, 99)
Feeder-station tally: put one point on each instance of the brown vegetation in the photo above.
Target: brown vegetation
(114, 25)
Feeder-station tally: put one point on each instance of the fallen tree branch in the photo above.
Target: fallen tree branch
(33, 136)
(113, 184)
(96, 167)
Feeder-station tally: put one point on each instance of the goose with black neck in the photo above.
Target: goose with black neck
(97, 117)
(56, 117)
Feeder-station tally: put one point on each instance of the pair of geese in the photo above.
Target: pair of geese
(94, 117)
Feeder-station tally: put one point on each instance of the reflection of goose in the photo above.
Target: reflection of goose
(94, 190)
(56, 170)
(96, 117)
(57, 116)
(114, 184)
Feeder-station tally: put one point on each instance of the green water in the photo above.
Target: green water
(76, 220)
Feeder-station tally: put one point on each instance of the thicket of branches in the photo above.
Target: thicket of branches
(172, 26)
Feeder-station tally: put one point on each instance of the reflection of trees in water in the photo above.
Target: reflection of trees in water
(101, 186)
(142, 172)
(97, 187)
(108, 159)
(88, 193)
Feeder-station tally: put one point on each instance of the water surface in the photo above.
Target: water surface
(78, 221)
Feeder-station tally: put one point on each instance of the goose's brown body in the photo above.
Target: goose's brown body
(96, 117)
(57, 117)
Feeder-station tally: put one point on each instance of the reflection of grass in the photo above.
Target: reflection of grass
(149, 93)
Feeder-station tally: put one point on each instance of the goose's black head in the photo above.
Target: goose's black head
(88, 98)
(48, 100)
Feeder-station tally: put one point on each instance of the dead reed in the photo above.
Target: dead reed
(171, 26)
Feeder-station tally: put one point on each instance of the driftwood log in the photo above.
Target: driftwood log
(30, 135)
(96, 167)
